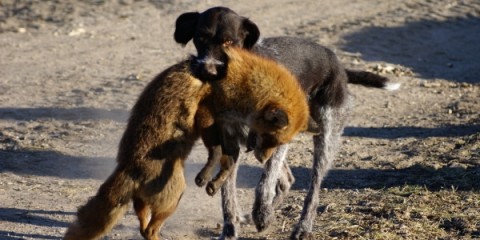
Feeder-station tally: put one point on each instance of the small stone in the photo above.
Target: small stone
(77, 32)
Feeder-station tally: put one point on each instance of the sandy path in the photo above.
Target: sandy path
(70, 74)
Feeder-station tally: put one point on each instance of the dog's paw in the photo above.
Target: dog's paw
(282, 188)
(262, 216)
(301, 234)
(280, 193)
(229, 232)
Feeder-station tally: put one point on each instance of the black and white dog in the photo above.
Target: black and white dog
(322, 77)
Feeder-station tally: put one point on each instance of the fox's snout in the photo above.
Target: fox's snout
(209, 66)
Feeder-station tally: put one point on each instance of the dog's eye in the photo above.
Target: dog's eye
(227, 43)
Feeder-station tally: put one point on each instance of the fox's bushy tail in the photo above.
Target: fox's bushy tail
(369, 79)
(102, 211)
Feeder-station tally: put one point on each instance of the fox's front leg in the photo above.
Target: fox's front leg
(231, 151)
(214, 155)
(210, 135)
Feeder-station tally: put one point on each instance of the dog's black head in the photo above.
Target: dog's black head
(212, 31)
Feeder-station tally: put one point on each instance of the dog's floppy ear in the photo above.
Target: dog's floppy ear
(185, 27)
(252, 33)
(275, 116)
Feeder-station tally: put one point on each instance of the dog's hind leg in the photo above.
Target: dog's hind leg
(272, 187)
(326, 144)
(322, 161)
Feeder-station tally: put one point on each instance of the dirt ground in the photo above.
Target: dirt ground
(409, 167)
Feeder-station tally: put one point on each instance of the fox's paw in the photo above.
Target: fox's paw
(150, 234)
(212, 188)
(200, 181)
(202, 178)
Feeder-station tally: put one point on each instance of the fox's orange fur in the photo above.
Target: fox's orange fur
(163, 126)
(255, 85)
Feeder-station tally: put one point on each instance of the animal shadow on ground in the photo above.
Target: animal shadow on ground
(30, 216)
(210, 234)
(52, 163)
(35, 217)
(417, 132)
(68, 114)
(5, 235)
(44, 162)
(433, 179)
(433, 49)
(418, 174)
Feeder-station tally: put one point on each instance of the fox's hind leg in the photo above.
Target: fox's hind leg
(158, 219)
(163, 201)
(143, 213)
(156, 222)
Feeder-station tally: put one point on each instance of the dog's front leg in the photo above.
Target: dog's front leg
(274, 184)
(231, 217)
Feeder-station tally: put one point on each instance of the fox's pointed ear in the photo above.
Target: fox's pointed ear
(185, 27)
(275, 116)
(313, 127)
(252, 33)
